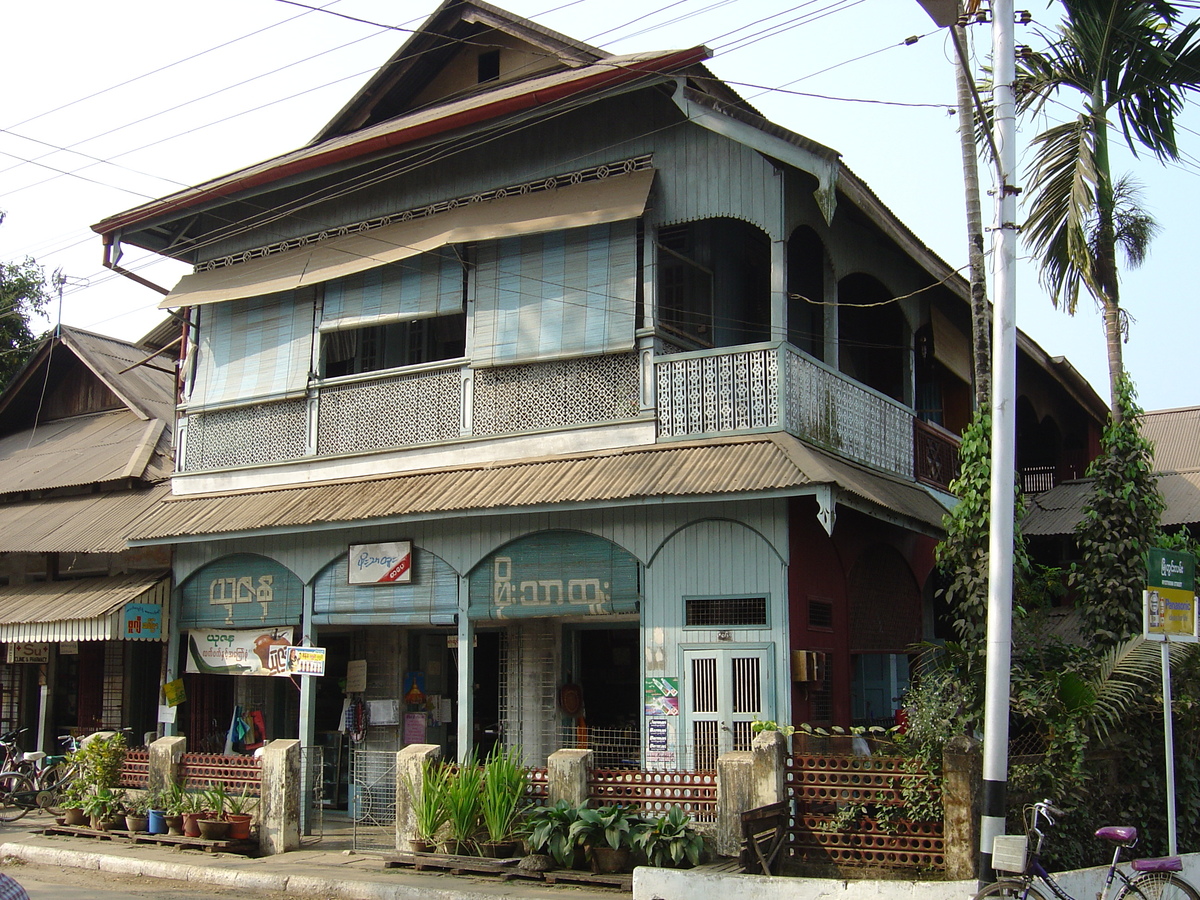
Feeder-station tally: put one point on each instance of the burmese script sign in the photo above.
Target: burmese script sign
(387, 563)
(238, 652)
(1169, 611)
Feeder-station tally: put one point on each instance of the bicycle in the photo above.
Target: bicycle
(1155, 879)
(37, 781)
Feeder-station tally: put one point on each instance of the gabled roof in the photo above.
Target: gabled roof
(100, 447)
(453, 27)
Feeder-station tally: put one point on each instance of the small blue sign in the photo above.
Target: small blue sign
(143, 622)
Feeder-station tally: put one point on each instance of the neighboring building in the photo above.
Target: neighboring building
(1175, 434)
(86, 432)
(622, 361)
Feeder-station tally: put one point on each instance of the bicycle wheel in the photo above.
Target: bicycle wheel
(1158, 886)
(16, 796)
(1009, 889)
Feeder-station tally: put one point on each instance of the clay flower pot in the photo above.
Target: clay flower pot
(214, 829)
(75, 817)
(174, 823)
(239, 826)
(137, 823)
(191, 824)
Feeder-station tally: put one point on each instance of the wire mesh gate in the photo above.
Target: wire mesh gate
(373, 800)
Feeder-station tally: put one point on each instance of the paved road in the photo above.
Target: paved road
(57, 883)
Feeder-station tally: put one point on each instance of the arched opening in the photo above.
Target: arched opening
(806, 291)
(873, 338)
(714, 282)
(1039, 448)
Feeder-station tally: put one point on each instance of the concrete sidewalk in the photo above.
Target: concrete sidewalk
(327, 869)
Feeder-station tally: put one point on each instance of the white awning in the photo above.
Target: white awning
(83, 609)
(612, 199)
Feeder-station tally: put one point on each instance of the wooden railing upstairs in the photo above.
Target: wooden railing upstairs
(935, 455)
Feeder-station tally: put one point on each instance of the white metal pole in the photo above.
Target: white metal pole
(1004, 369)
(1169, 741)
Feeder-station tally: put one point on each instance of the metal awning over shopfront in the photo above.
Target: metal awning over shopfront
(83, 609)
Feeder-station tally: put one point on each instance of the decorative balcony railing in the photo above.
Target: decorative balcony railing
(776, 386)
(756, 388)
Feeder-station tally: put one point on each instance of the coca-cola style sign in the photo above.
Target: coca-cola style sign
(387, 563)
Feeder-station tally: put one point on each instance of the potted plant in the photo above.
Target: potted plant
(462, 807)
(239, 812)
(670, 841)
(548, 830)
(174, 801)
(607, 834)
(137, 813)
(71, 800)
(156, 811)
(504, 784)
(211, 823)
(192, 807)
(103, 806)
(430, 812)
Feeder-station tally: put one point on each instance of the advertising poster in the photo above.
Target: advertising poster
(662, 697)
(143, 622)
(305, 661)
(174, 693)
(248, 651)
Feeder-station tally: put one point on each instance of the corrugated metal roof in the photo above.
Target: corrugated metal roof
(80, 450)
(734, 466)
(1175, 434)
(88, 523)
(148, 389)
(82, 609)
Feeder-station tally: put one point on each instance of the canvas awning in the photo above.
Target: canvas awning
(612, 199)
(83, 609)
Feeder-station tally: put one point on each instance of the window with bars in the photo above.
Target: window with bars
(725, 612)
(820, 614)
(114, 684)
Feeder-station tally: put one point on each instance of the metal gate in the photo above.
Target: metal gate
(373, 800)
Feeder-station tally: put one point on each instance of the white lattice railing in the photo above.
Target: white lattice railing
(772, 386)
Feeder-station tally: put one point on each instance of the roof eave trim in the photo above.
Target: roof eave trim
(612, 77)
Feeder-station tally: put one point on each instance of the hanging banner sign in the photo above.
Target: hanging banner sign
(143, 622)
(239, 652)
(305, 661)
(1169, 608)
(174, 693)
(389, 563)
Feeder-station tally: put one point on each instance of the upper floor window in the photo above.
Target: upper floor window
(391, 345)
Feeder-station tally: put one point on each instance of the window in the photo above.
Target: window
(392, 345)
(725, 612)
(685, 301)
(488, 65)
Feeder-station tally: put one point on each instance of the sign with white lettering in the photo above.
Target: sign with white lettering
(556, 573)
(243, 652)
(387, 563)
(1169, 607)
(244, 590)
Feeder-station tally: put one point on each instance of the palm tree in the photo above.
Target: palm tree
(1134, 60)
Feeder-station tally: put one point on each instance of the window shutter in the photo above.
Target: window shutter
(426, 285)
(562, 293)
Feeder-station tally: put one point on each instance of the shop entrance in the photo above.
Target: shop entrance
(604, 667)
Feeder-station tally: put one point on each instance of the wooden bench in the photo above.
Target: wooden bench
(764, 833)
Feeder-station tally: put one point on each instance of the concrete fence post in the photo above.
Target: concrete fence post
(567, 776)
(962, 785)
(747, 779)
(279, 799)
(166, 756)
(410, 763)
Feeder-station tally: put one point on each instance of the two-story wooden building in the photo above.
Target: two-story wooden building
(582, 403)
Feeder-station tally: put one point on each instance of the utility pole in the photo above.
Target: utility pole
(1004, 424)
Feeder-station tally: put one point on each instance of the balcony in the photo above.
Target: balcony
(755, 388)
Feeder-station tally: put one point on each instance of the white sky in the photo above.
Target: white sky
(150, 97)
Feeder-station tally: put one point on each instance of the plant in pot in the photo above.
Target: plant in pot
(212, 823)
(192, 807)
(547, 830)
(239, 812)
(429, 807)
(137, 813)
(503, 796)
(670, 841)
(462, 807)
(607, 833)
(103, 806)
(99, 761)
(71, 804)
(174, 800)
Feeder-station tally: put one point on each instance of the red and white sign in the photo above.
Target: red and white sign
(389, 563)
